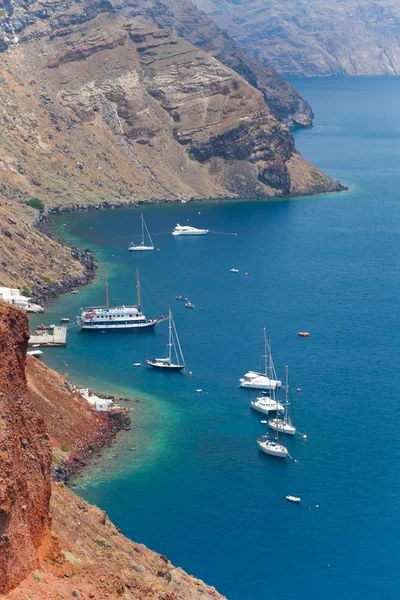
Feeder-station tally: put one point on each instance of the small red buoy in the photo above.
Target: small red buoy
(235, 234)
(298, 389)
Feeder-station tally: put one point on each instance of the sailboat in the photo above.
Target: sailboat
(174, 361)
(286, 425)
(266, 404)
(272, 445)
(266, 380)
(117, 318)
(142, 245)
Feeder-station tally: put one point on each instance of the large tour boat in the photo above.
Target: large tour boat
(117, 318)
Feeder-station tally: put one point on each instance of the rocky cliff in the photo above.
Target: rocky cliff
(103, 104)
(53, 544)
(25, 20)
(25, 459)
(346, 37)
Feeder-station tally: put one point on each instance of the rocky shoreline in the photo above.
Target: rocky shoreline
(84, 454)
(87, 258)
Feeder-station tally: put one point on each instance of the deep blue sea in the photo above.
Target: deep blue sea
(196, 488)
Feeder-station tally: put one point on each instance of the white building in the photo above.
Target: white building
(101, 404)
(14, 296)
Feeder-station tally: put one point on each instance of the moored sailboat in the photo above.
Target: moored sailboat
(266, 404)
(174, 361)
(285, 424)
(142, 245)
(266, 380)
(272, 445)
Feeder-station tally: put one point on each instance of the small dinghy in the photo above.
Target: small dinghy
(234, 270)
(181, 298)
(294, 499)
(137, 364)
(189, 304)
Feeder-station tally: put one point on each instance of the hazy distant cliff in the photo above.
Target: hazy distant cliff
(304, 37)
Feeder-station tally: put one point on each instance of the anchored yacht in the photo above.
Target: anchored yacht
(266, 380)
(187, 230)
(285, 424)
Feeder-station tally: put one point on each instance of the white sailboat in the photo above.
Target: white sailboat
(142, 246)
(272, 445)
(285, 425)
(266, 404)
(266, 380)
(273, 448)
(174, 361)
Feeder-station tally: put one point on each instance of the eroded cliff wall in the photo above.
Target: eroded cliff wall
(25, 458)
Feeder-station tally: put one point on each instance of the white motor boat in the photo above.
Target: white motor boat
(273, 448)
(265, 405)
(259, 381)
(266, 380)
(187, 230)
(142, 246)
(285, 424)
(234, 270)
(294, 499)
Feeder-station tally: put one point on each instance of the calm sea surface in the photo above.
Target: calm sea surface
(196, 488)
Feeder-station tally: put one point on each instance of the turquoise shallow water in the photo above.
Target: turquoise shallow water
(196, 488)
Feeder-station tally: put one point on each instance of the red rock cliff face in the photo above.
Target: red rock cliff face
(25, 458)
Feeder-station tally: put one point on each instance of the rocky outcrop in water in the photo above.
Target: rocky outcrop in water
(346, 37)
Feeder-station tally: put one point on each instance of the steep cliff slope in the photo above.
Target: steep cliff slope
(101, 104)
(108, 110)
(66, 548)
(181, 15)
(25, 458)
(351, 37)
(285, 103)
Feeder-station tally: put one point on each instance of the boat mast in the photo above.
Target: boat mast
(138, 288)
(180, 357)
(265, 352)
(142, 229)
(148, 233)
(170, 337)
(106, 280)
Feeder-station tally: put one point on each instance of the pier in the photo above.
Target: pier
(57, 337)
